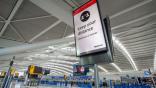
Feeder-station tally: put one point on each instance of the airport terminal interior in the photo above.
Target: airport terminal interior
(77, 43)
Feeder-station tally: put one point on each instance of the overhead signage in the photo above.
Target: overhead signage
(79, 70)
(89, 34)
(34, 69)
(147, 73)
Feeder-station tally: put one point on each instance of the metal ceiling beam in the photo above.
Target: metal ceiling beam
(58, 67)
(57, 64)
(42, 51)
(138, 35)
(56, 8)
(32, 18)
(119, 58)
(144, 57)
(61, 61)
(9, 43)
(144, 27)
(62, 68)
(140, 55)
(138, 32)
(144, 61)
(59, 70)
(20, 35)
(144, 46)
(140, 41)
(45, 30)
(102, 68)
(143, 39)
(142, 51)
(145, 65)
(136, 55)
(2, 21)
(131, 8)
(117, 67)
(149, 46)
(145, 43)
(50, 57)
(16, 7)
(124, 51)
(56, 73)
(2, 18)
(133, 21)
(123, 60)
(147, 40)
(21, 48)
(65, 31)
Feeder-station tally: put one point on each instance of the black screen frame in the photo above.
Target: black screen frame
(103, 27)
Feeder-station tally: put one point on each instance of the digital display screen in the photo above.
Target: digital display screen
(80, 70)
(89, 35)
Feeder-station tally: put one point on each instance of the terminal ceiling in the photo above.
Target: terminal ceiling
(26, 22)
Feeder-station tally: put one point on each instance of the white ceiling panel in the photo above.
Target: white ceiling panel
(1, 19)
(111, 7)
(54, 33)
(12, 35)
(6, 7)
(121, 60)
(68, 31)
(29, 10)
(30, 28)
(109, 67)
(135, 14)
(1, 25)
(133, 24)
(9, 43)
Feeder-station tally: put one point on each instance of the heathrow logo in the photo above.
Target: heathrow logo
(85, 16)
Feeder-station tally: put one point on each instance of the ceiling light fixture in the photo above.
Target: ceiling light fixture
(91, 70)
(117, 67)
(102, 68)
(51, 47)
(125, 52)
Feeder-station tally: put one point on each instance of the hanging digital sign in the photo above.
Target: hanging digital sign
(89, 34)
(80, 70)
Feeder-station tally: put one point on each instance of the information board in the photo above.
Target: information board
(89, 34)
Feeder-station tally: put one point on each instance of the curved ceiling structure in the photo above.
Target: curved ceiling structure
(40, 32)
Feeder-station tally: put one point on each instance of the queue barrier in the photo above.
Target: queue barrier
(61, 84)
(131, 86)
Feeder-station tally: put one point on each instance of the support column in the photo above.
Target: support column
(96, 76)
